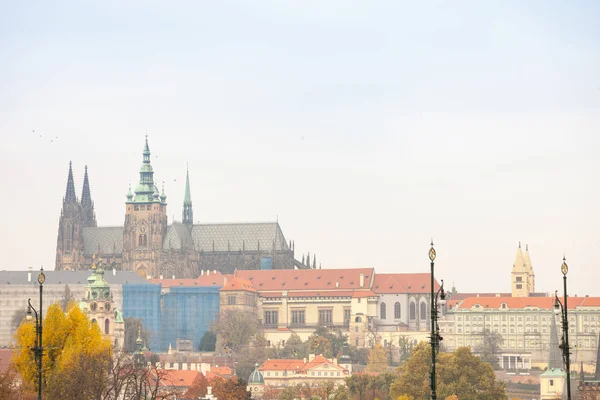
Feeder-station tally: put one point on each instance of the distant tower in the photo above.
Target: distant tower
(145, 223)
(552, 382)
(522, 278)
(188, 212)
(69, 247)
(88, 216)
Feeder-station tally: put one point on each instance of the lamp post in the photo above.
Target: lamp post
(437, 298)
(560, 308)
(38, 349)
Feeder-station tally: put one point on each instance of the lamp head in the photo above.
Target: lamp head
(29, 317)
(432, 252)
(564, 268)
(41, 277)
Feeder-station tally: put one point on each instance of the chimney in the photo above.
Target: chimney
(173, 276)
(214, 272)
(202, 273)
(337, 284)
(225, 281)
(304, 360)
(29, 275)
(362, 280)
(160, 277)
(114, 272)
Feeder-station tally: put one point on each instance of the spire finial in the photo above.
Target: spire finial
(188, 211)
(526, 247)
(70, 193)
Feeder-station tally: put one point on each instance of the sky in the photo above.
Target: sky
(364, 128)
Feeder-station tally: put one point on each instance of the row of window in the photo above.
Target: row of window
(313, 373)
(271, 317)
(412, 310)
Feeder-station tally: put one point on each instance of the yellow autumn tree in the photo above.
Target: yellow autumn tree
(66, 337)
(378, 361)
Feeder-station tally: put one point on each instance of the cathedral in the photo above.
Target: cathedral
(148, 245)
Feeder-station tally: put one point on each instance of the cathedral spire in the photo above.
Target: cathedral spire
(70, 194)
(87, 205)
(146, 191)
(188, 212)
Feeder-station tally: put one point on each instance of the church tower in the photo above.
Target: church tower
(88, 215)
(69, 247)
(522, 282)
(188, 212)
(145, 223)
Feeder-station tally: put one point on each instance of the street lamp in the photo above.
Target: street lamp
(561, 309)
(437, 298)
(38, 349)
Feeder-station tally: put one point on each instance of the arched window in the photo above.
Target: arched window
(143, 240)
(412, 310)
(423, 311)
(94, 321)
(357, 319)
(382, 310)
(397, 313)
(106, 326)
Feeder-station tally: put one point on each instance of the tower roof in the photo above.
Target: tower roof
(256, 377)
(70, 193)
(86, 196)
(519, 264)
(554, 353)
(188, 197)
(527, 259)
(146, 191)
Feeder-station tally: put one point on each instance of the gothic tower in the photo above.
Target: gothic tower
(188, 212)
(88, 215)
(522, 278)
(145, 223)
(69, 247)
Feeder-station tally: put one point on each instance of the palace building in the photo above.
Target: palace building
(151, 246)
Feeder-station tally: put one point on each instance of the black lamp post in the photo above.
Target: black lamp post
(437, 298)
(560, 308)
(38, 349)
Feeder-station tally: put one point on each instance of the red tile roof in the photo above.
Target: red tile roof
(403, 283)
(236, 283)
(223, 371)
(522, 302)
(213, 280)
(180, 378)
(309, 279)
(323, 293)
(320, 360)
(282, 365)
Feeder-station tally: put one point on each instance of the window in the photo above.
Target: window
(412, 310)
(106, 326)
(325, 317)
(519, 279)
(143, 240)
(298, 317)
(357, 319)
(231, 300)
(397, 310)
(519, 286)
(271, 318)
(423, 311)
(382, 311)
(551, 382)
(347, 316)
(356, 329)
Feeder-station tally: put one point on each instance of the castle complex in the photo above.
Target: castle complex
(148, 245)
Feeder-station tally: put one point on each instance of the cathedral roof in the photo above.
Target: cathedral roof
(239, 236)
(178, 236)
(103, 240)
(403, 283)
(68, 277)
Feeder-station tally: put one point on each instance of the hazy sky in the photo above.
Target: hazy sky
(365, 127)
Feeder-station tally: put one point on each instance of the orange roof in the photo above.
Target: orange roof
(322, 293)
(403, 283)
(319, 360)
(282, 365)
(181, 378)
(522, 302)
(236, 283)
(221, 370)
(307, 279)
(215, 280)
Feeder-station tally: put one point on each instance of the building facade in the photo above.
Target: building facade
(149, 246)
(314, 372)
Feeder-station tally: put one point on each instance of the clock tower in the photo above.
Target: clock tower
(100, 308)
(145, 223)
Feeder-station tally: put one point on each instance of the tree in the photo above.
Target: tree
(231, 389)
(69, 339)
(208, 341)
(234, 329)
(460, 373)
(406, 346)
(378, 361)
(67, 298)
(294, 348)
(358, 385)
(490, 348)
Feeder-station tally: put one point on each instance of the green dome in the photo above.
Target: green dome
(256, 377)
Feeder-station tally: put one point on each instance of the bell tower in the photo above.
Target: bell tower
(522, 277)
(145, 222)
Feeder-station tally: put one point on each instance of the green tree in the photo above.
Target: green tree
(208, 341)
(235, 329)
(294, 348)
(359, 385)
(490, 348)
(378, 361)
(460, 373)
(406, 346)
